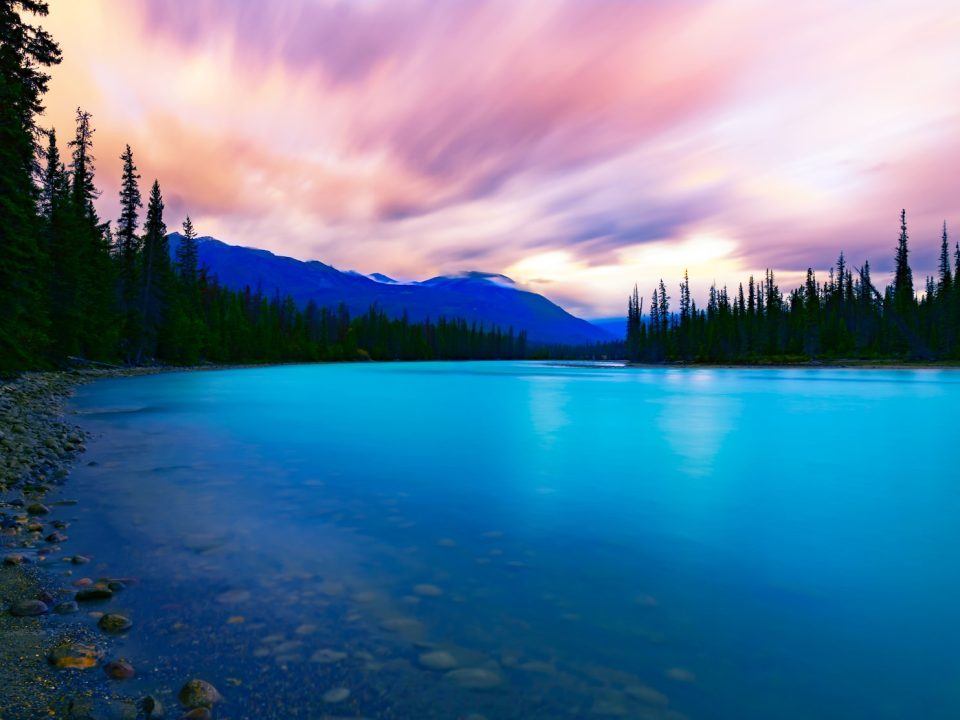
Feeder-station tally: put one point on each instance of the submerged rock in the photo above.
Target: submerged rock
(16, 559)
(336, 695)
(475, 678)
(97, 592)
(401, 624)
(327, 656)
(438, 660)
(233, 596)
(198, 693)
(427, 590)
(119, 670)
(29, 608)
(114, 623)
(66, 608)
(38, 509)
(647, 694)
(68, 655)
(197, 714)
(152, 708)
(681, 675)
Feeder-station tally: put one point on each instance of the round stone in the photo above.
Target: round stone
(74, 656)
(97, 592)
(29, 608)
(119, 670)
(114, 623)
(198, 693)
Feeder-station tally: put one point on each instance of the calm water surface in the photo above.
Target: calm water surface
(578, 541)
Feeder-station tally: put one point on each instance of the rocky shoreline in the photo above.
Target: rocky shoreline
(56, 629)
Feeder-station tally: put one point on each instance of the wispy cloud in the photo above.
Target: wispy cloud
(571, 142)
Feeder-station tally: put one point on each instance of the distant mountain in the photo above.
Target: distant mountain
(474, 296)
(616, 326)
(381, 278)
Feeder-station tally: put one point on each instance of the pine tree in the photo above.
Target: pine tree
(188, 254)
(127, 251)
(65, 254)
(97, 331)
(53, 184)
(82, 188)
(664, 307)
(25, 50)
(903, 294)
(156, 276)
(946, 278)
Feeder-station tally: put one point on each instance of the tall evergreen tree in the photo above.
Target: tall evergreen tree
(188, 254)
(156, 276)
(97, 329)
(903, 293)
(66, 256)
(946, 277)
(53, 185)
(25, 50)
(127, 252)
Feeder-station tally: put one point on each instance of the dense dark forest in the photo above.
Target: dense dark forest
(73, 286)
(843, 317)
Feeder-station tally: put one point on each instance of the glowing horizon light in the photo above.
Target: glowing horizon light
(588, 146)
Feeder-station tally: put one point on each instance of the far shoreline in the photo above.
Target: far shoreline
(805, 365)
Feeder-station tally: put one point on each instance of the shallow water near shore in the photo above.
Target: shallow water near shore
(526, 540)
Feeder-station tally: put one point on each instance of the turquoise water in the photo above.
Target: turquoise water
(581, 541)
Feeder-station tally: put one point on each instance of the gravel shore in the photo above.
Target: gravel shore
(49, 647)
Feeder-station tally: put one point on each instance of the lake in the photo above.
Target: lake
(526, 540)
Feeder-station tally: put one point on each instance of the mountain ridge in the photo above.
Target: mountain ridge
(482, 297)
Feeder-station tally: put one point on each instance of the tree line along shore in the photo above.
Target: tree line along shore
(73, 284)
(844, 318)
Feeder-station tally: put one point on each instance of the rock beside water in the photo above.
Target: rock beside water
(29, 608)
(68, 655)
(97, 592)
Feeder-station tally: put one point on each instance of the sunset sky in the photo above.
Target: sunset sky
(577, 147)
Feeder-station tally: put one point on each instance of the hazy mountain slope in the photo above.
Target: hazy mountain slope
(481, 297)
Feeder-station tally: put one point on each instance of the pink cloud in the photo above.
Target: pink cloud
(413, 137)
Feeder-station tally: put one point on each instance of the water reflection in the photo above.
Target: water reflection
(523, 541)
